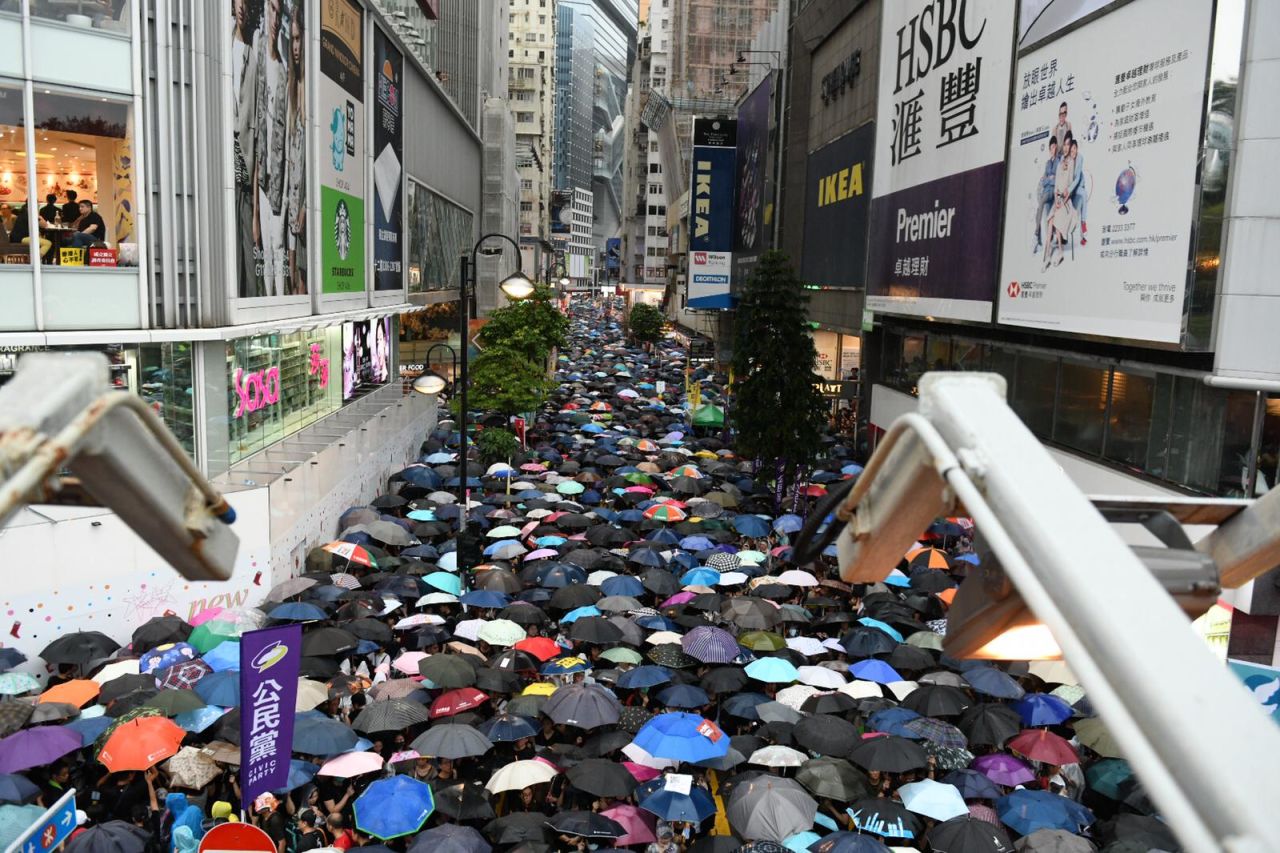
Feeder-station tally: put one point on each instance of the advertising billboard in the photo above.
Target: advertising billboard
(366, 355)
(709, 277)
(1102, 171)
(1040, 19)
(837, 204)
(940, 131)
(711, 219)
(750, 237)
(269, 148)
(341, 97)
(388, 156)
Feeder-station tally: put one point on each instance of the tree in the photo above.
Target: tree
(503, 379)
(645, 323)
(778, 411)
(532, 327)
(496, 445)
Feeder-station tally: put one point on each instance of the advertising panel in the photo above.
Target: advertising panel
(1040, 19)
(388, 147)
(366, 355)
(709, 274)
(342, 164)
(269, 148)
(1102, 170)
(711, 187)
(269, 663)
(837, 203)
(940, 132)
(750, 237)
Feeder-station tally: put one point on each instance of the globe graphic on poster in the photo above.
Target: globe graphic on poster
(1125, 183)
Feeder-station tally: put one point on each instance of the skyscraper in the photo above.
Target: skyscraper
(533, 97)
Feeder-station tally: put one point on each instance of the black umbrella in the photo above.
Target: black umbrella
(328, 641)
(966, 834)
(989, 724)
(825, 735)
(660, 582)
(14, 715)
(602, 778)
(1145, 830)
(604, 742)
(124, 685)
(829, 703)
(890, 754)
(517, 827)
(834, 779)
(498, 580)
(863, 642)
(908, 657)
(724, 679)
(586, 824)
(886, 818)
(937, 700)
(114, 836)
(157, 631)
(586, 706)
(389, 715)
(447, 671)
(369, 629)
(524, 614)
(594, 629)
(572, 597)
(79, 648)
(464, 801)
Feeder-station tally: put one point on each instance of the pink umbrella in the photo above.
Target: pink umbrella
(639, 489)
(678, 598)
(205, 615)
(640, 772)
(638, 824)
(528, 528)
(541, 554)
(352, 764)
(408, 662)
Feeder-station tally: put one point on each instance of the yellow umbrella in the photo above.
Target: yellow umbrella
(539, 688)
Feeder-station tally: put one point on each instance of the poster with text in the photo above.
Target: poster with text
(269, 147)
(711, 220)
(388, 154)
(342, 161)
(837, 201)
(366, 355)
(750, 236)
(1102, 170)
(940, 143)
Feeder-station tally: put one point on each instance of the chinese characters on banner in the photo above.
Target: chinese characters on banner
(1102, 174)
(269, 663)
(940, 131)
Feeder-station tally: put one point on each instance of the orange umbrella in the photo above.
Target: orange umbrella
(542, 648)
(140, 744)
(79, 692)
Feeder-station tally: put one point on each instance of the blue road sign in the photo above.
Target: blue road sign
(53, 828)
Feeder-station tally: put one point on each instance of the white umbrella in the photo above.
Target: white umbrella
(659, 638)
(519, 775)
(797, 577)
(469, 629)
(437, 598)
(858, 689)
(807, 646)
(777, 756)
(820, 676)
(112, 671)
(599, 577)
(796, 695)
(638, 755)
(442, 498)
(732, 578)
(901, 689)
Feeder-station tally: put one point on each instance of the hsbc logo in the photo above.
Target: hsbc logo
(1014, 290)
(699, 257)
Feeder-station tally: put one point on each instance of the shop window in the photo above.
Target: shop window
(1082, 403)
(1236, 457)
(164, 381)
(1157, 463)
(1004, 362)
(1130, 420)
(14, 238)
(966, 354)
(1209, 437)
(105, 15)
(84, 179)
(1269, 455)
(939, 353)
(1033, 392)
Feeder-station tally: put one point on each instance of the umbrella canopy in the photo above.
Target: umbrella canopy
(683, 737)
(393, 807)
(140, 744)
(770, 808)
(451, 741)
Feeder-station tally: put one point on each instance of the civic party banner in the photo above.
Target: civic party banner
(342, 164)
(269, 664)
(1102, 174)
(941, 122)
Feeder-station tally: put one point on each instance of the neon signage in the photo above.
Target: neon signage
(256, 390)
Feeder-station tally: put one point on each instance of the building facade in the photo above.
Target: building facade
(532, 84)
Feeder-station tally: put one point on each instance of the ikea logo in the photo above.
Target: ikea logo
(840, 186)
(701, 198)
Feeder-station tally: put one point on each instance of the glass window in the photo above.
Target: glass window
(1004, 362)
(164, 381)
(84, 180)
(1034, 391)
(1082, 402)
(109, 15)
(1269, 455)
(939, 353)
(1161, 421)
(1196, 440)
(1130, 421)
(1237, 437)
(440, 232)
(966, 354)
(13, 179)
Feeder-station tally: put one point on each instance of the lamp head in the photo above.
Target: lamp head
(516, 287)
(430, 383)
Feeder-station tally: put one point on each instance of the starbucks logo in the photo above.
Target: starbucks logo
(342, 229)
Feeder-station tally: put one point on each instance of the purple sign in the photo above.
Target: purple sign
(269, 662)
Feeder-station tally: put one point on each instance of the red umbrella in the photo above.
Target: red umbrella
(1043, 745)
(542, 648)
(457, 701)
(351, 552)
(140, 744)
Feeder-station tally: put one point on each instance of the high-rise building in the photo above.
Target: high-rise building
(470, 53)
(531, 83)
(595, 46)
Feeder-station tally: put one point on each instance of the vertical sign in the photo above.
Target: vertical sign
(711, 213)
(388, 148)
(269, 663)
(342, 161)
(1102, 174)
(750, 237)
(837, 204)
(941, 123)
(269, 147)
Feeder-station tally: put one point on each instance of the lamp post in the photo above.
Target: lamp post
(516, 287)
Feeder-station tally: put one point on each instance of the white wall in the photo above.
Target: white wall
(73, 569)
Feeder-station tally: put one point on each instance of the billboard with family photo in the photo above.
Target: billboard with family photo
(342, 163)
(1107, 131)
(269, 146)
(366, 355)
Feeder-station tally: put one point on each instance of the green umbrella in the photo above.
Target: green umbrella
(708, 415)
(622, 655)
(569, 487)
(209, 635)
(762, 641)
(444, 582)
(16, 683)
(1110, 777)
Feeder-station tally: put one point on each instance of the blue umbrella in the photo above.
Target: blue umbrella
(9, 658)
(297, 611)
(700, 577)
(973, 785)
(220, 688)
(744, 705)
(422, 552)
(15, 788)
(623, 585)
(163, 657)
(684, 737)
(450, 838)
(489, 598)
(394, 807)
(560, 575)
(550, 541)
(1026, 811)
(200, 719)
(683, 696)
(316, 734)
(422, 476)
(644, 676)
(507, 728)
(578, 613)
(89, 728)
(773, 670)
(750, 525)
(693, 807)
(993, 682)
(696, 543)
(1042, 709)
(875, 670)
(647, 557)
(656, 622)
(300, 773)
(789, 523)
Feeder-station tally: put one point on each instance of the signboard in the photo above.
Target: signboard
(709, 277)
(101, 256)
(366, 355)
(269, 662)
(1262, 682)
(342, 159)
(50, 829)
(1040, 19)
(1102, 174)
(837, 389)
(837, 206)
(70, 256)
(269, 150)
(750, 237)
(388, 155)
(228, 837)
(711, 186)
(940, 130)
(824, 348)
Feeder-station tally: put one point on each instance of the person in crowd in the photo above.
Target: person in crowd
(51, 212)
(21, 232)
(71, 208)
(90, 227)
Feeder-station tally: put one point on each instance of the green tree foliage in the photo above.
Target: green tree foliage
(503, 379)
(645, 323)
(496, 445)
(777, 410)
(532, 327)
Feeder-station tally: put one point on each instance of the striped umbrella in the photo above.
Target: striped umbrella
(665, 512)
(351, 552)
(710, 644)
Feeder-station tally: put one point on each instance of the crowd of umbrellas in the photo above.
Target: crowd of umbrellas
(635, 664)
